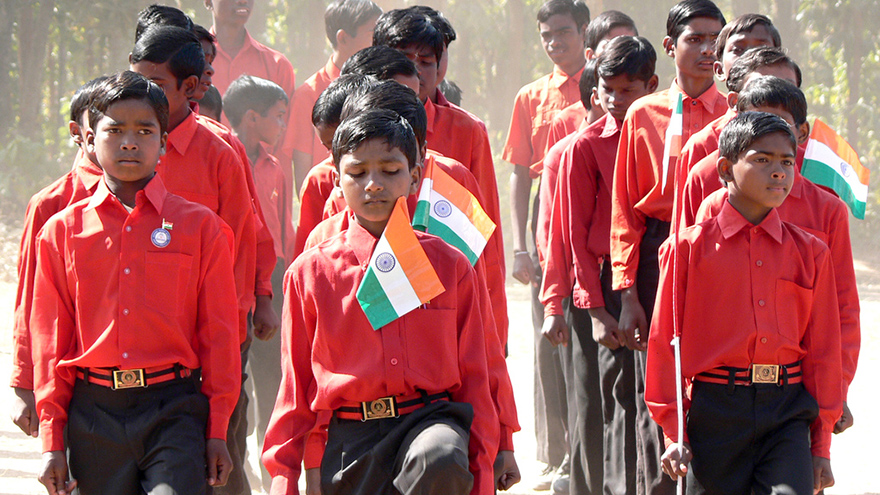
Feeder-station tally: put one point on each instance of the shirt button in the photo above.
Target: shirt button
(125, 311)
(764, 340)
(761, 302)
(394, 361)
(126, 271)
(759, 263)
(128, 228)
(125, 355)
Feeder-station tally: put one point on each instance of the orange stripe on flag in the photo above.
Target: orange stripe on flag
(409, 253)
(821, 132)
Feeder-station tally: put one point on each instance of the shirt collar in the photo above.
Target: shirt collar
(611, 127)
(331, 69)
(709, 97)
(731, 222)
(154, 194)
(431, 110)
(441, 99)
(89, 173)
(360, 241)
(558, 77)
(249, 44)
(182, 135)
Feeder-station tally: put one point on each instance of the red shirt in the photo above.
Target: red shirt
(202, 168)
(546, 194)
(271, 189)
(535, 106)
(777, 305)
(316, 190)
(825, 216)
(570, 119)
(638, 192)
(300, 134)
(319, 375)
(581, 218)
(106, 296)
(75, 185)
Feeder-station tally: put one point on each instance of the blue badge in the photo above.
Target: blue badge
(160, 238)
(442, 208)
(385, 262)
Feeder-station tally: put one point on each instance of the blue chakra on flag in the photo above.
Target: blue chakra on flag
(442, 208)
(845, 169)
(160, 237)
(385, 262)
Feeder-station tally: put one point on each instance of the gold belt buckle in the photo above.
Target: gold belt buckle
(384, 407)
(123, 379)
(765, 373)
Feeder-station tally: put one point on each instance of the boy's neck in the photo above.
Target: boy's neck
(230, 37)
(251, 143)
(126, 192)
(693, 87)
(574, 67)
(374, 228)
(177, 117)
(753, 215)
(338, 59)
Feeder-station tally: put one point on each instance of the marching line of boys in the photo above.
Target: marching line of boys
(145, 271)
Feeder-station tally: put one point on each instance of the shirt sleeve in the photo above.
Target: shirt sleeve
(847, 292)
(556, 281)
(583, 191)
(518, 148)
(22, 363)
(311, 210)
(627, 223)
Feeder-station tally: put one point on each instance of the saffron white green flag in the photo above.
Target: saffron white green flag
(830, 161)
(400, 276)
(449, 211)
(672, 143)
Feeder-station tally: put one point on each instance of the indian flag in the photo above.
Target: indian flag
(672, 143)
(832, 162)
(449, 211)
(400, 277)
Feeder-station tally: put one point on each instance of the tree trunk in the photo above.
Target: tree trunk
(33, 24)
(8, 14)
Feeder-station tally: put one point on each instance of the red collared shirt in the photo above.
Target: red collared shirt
(533, 110)
(825, 216)
(316, 190)
(581, 218)
(255, 59)
(271, 189)
(638, 192)
(300, 133)
(202, 168)
(546, 194)
(319, 374)
(73, 186)
(107, 295)
(746, 295)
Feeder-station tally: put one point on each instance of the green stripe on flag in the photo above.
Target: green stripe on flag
(820, 173)
(374, 301)
(421, 215)
(443, 231)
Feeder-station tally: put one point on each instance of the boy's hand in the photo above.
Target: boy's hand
(219, 462)
(555, 330)
(822, 476)
(845, 421)
(605, 329)
(313, 481)
(633, 324)
(506, 470)
(53, 473)
(524, 268)
(266, 321)
(675, 461)
(23, 411)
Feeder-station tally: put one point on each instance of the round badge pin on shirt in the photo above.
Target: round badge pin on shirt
(160, 237)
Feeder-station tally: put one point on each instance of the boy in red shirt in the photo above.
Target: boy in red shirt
(761, 349)
(134, 299)
(438, 379)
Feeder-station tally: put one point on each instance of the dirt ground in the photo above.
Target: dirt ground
(852, 458)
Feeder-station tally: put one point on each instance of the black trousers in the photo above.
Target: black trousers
(650, 479)
(236, 440)
(617, 382)
(146, 440)
(424, 452)
(753, 439)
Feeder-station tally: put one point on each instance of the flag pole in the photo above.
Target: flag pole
(676, 331)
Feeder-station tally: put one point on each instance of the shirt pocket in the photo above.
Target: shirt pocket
(432, 345)
(793, 308)
(166, 282)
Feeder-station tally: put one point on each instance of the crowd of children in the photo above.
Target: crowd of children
(381, 321)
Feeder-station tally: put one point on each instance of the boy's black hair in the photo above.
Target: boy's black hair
(212, 101)
(745, 24)
(161, 15)
(203, 34)
(747, 127)
(375, 123)
(251, 93)
(771, 91)
(440, 22)
(328, 107)
(755, 58)
(349, 16)
(401, 28)
(451, 91)
(683, 12)
(381, 62)
(630, 55)
(82, 99)
(128, 85)
(576, 9)
(604, 23)
(389, 95)
(587, 82)
(177, 46)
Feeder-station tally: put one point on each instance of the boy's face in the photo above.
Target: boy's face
(739, 43)
(372, 177)
(363, 38)
(761, 177)
(325, 134)
(178, 97)
(694, 50)
(801, 132)
(426, 61)
(127, 140)
(562, 40)
(617, 93)
(270, 126)
(614, 33)
(230, 11)
(206, 80)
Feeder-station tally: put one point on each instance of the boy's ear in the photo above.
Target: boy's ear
(341, 37)
(669, 46)
(416, 176)
(90, 140)
(718, 68)
(589, 54)
(250, 116)
(209, 5)
(189, 86)
(725, 169)
(163, 141)
(594, 98)
(130, 61)
(75, 132)
(803, 133)
(732, 98)
(653, 83)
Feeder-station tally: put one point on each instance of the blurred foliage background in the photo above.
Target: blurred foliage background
(48, 48)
